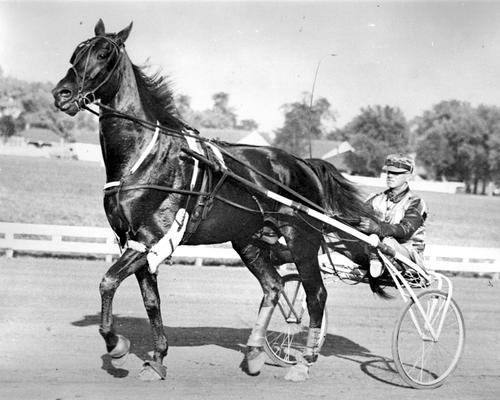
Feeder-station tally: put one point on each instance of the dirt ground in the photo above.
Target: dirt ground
(50, 347)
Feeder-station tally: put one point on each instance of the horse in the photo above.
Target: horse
(157, 196)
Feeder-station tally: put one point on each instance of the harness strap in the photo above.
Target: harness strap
(194, 145)
(141, 159)
(147, 150)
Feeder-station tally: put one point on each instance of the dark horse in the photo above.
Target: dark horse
(149, 197)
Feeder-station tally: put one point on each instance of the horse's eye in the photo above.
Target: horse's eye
(103, 56)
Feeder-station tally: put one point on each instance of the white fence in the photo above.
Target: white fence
(416, 184)
(77, 240)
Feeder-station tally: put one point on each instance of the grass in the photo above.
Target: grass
(66, 192)
(59, 192)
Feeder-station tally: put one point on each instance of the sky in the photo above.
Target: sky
(405, 54)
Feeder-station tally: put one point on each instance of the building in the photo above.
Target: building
(238, 136)
(40, 137)
(34, 142)
(333, 151)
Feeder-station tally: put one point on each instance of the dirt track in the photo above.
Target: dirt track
(50, 347)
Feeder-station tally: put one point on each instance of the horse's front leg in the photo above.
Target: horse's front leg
(153, 370)
(129, 263)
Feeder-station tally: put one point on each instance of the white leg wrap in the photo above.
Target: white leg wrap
(168, 243)
(313, 339)
(256, 338)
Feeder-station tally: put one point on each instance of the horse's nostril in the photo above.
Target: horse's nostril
(65, 93)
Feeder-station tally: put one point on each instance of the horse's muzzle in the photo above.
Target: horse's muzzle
(65, 97)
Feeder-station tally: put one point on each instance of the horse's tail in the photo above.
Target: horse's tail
(377, 289)
(341, 196)
(344, 199)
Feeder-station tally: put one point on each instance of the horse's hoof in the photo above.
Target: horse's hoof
(255, 359)
(152, 371)
(311, 358)
(120, 352)
(298, 373)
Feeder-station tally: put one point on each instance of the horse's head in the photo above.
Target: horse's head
(92, 74)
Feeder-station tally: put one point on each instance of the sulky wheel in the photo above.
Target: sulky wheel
(286, 334)
(424, 359)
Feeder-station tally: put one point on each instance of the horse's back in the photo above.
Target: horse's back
(290, 171)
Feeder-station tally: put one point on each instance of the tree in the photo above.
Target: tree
(247, 125)
(220, 115)
(7, 126)
(462, 135)
(490, 116)
(494, 158)
(186, 112)
(303, 123)
(31, 104)
(376, 132)
(433, 153)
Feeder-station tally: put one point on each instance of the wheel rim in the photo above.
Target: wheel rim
(422, 360)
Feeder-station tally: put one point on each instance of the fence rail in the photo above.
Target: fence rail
(78, 240)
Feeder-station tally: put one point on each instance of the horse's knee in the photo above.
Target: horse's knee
(257, 260)
(251, 254)
(108, 285)
(151, 304)
(272, 287)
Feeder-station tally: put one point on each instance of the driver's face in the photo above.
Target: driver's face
(395, 180)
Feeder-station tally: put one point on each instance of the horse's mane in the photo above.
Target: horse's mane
(157, 96)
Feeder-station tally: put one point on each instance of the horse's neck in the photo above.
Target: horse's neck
(122, 141)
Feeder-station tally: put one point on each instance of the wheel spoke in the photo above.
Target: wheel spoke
(286, 336)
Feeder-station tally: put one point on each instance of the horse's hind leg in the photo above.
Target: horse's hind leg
(130, 262)
(257, 259)
(304, 245)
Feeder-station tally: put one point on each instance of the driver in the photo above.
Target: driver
(401, 214)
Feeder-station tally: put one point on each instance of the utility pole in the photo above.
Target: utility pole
(312, 95)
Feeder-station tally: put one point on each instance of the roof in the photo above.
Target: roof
(327, 148)
(342, 147)
(321, 147)
(333, 151)
(226, 135)
(234, 136)
(339, 161)
(40, 135)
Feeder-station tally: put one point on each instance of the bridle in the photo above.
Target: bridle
(84, 49)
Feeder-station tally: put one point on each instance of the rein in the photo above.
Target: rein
(160, 188)
(183, 134)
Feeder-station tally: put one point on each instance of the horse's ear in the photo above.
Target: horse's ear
(99, 28)
(123, 34)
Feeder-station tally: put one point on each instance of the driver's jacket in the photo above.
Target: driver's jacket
(401, 216)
